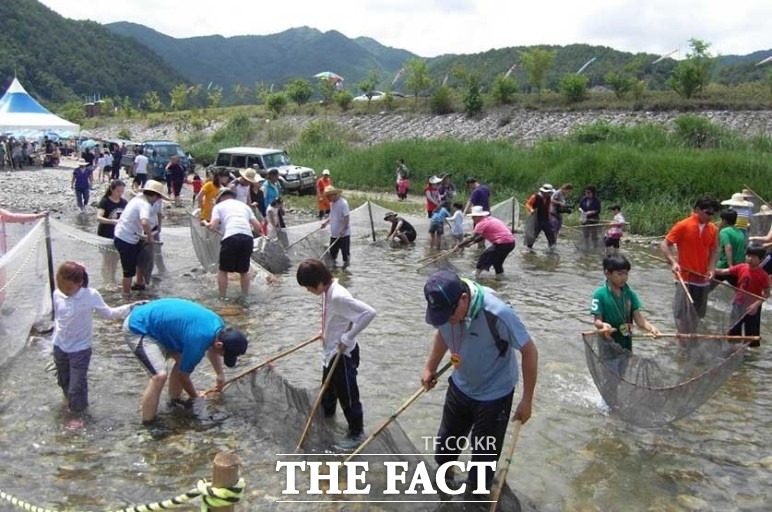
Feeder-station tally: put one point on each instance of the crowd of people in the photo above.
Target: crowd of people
(480, 331)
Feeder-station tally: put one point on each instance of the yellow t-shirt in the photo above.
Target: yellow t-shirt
(209, 191)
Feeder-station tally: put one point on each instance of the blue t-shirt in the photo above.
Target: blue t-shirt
(482, 374)
(179, 325)
(81, 177)
(439, 215)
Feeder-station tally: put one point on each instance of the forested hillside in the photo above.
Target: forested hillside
(59, 60)
(272, 59)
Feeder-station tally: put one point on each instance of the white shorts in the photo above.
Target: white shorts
(151, 354)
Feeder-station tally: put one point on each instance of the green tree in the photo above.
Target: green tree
(473, 100)
(299, 91)
(536, 63)
(368, 85)
(574, 87)
(127, 106)
(72, 111)
(214, 95)
(618, 83)
(343, 99)
(327, 90)
(503, 90)
(178, 97)
(240, 94)
(441, 102)
(153, 102)
(417, 78)
(691, 74)
(276, 102)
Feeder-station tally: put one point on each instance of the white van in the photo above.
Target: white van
(294, 178)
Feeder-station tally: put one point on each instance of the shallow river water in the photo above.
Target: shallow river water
(572, 455)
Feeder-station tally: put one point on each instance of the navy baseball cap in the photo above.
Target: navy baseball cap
(443, 290)
(234, 344)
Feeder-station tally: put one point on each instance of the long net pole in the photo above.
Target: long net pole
(50, 258)
(372, 224)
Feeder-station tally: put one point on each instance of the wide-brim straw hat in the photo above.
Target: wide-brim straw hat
(547, 189)
(477, 211)
(156, 187)
(737, 200)
(764, 210)
(434, 180)
(329, 190)
(251, 175)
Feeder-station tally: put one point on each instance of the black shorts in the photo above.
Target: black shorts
(611, 242)
(129, 254)
(235, 253)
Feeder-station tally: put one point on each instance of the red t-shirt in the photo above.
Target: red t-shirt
(752, 280)
(695, 247)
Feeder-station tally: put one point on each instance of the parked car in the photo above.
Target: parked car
(293, 178)
(378, 96)
(158, 153)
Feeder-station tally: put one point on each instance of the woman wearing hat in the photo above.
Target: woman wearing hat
(432, 195)
(134, 229)
(340, 228)
(242, 185)
(497, 234)
(538, 207)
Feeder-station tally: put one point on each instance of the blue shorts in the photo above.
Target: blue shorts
(436, 227)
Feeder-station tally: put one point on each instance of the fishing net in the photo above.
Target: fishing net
(761, 216)
(587, 238)
(309, 240)
(280, 410)
(663, 380)
(24, 289)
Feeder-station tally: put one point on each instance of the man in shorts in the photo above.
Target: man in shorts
(183, 331)
(238, 222)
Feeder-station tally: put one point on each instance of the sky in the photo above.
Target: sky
(433, 27)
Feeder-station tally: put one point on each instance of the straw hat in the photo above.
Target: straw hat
(737, 200)
(434, 180)
(251, 175)
(156, 187)
(764, 210)
(547, 189)
(477, 211)
(329, 190)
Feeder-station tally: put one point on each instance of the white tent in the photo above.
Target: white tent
(20, 111)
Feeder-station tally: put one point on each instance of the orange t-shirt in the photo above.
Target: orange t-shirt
(210, 194)
(694, 247)
(321, 200)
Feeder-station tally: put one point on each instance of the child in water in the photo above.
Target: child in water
(74, 302)
(615, 306)
(343, 318)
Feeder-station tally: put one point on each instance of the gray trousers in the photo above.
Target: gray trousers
(72, 376)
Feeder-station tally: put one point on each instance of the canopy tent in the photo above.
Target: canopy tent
(20, 111)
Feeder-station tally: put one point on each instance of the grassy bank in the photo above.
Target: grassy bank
(655, 174)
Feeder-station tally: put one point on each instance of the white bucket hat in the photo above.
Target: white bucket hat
(764, 210)
(737, 200)
(547, 189)
(434, 180)
(477, 211)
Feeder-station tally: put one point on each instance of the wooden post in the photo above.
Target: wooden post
(225, 473)
(50, 258)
